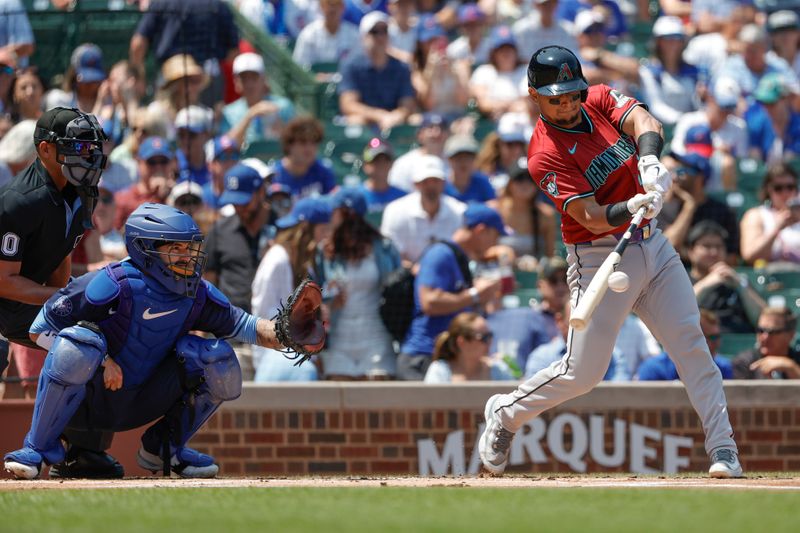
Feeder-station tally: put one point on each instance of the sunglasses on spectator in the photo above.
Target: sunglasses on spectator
(782, 187)
(772, 331)
(482, 336)
(379, 31)
(106, 199)
(188, 201)
(158, 162)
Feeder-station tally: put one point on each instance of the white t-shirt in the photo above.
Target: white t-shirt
(439, 371)
(410, 228)
(707, 51)
(459, 49)
(503, 86)
(272, 283)
(316, 45)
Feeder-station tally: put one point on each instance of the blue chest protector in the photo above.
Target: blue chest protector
(148, 320)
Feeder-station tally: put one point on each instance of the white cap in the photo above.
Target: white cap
(726, 92)
(586, 19)
(17, 146)
(248, 62)
(183, 188)
(514, 127)
(370, 20)
(668, 27)
(196, 118)
(428, 166)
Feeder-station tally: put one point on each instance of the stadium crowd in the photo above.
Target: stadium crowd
(190, 116)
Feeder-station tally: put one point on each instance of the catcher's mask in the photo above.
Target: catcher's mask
(78, 139)
(165, 243)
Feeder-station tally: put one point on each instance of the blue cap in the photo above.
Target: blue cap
(470, 13)
(352, 198)
(313, 209)
(477, 213)
(694, 161)
(153, 147)
(698, 140)
(501, 36)
(433, 119)
(225, 144)
(241, 181)
(428, 28)
(87, 59)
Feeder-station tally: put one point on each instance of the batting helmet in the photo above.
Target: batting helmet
(554, 70)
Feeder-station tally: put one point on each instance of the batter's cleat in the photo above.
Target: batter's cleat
(495, 441)
(25, 463)
(87, 464)
(725, 464)
(186, 462)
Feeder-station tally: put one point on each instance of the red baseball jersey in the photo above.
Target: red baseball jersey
(569, 164)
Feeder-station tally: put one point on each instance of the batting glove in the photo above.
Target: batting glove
(652, 200)
(654, 175)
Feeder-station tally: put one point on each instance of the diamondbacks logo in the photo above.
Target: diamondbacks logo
(62, 306)
(548, 183)
(565, 74)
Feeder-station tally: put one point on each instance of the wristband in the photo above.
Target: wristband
(617, 214)
(473, 293)
(650, 143)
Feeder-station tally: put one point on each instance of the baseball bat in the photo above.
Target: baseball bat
(597, 287)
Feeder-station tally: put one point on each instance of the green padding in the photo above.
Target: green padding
(732, 344)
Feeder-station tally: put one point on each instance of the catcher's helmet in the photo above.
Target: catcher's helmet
(554, 70)
(153, 225)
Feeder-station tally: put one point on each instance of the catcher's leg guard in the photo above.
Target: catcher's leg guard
(70, 364)
(211, 376)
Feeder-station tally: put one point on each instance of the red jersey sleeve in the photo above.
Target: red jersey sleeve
(557, 178)
(612, 104)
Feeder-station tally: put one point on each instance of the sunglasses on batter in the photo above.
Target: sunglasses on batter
(574, 97)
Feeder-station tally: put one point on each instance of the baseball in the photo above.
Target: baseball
(618, 281)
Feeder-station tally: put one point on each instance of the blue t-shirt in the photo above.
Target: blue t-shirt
(376, 201)
(438, 269)
(761, 135)
(201, 175)
(479, 190)
(527, 327)
(661, 368)
(318, 180)
(209, 198)
(354, 10)
(382, 88)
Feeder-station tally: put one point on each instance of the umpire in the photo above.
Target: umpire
(44, 212)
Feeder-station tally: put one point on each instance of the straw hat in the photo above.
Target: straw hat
(181, 66)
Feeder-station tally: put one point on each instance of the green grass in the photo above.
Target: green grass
(391, 509)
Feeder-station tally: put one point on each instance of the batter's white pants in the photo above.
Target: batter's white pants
(661, 294)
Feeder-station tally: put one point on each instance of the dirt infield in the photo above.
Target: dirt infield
(777, 482)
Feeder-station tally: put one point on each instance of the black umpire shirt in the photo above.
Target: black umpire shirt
(39, 227)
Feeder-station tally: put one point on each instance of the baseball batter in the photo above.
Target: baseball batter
(595, 153)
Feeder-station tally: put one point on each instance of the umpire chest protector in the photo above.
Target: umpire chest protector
(148, 319)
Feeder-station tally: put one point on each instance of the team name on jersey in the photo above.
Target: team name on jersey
(610, 160)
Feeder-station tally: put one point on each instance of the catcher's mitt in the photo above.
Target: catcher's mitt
(298, 326)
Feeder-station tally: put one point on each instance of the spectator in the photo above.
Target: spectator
(708, 49)
(722, 134)
(634, 345)
(603, 65)
(156, 176)
(540, 27)
(375, 88)
(771, 231)
(431, 136)
(461, 353)
(669, 84)
(784, 34)
(351, 267)
(81, 81)
(184, 80)
(500, 85)
(144, 123)
(127, 88)
(280, 205)
(532, 220)
(356, 10)
(286, 263)
(441, 290)
(753, 63)
(710, 15)
(773, 126)
(425, 216)
(687, 203)
(716, 285)
(615, 25)
(465, 183)
(234, 243)
(188, 197)
(378, 157)
(553, 290)
(517, 331)
(328, 39)
(502, 149)
(470, 49)
(16, 35)
(225, 154)
(299, 168)
(258, 114)
(440, 86)
(284, 19)
(773, 357)
(17, 151)
(402, 26)
(661, 367)
(27, 95)
(194, 126)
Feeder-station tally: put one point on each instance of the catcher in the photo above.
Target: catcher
(120, 355)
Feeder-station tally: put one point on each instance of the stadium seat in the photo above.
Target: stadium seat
(750, 175)
(525, 279)
(732, 344)
(265, 150)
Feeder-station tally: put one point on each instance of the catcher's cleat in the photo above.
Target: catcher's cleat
(90, 464)
(186, 463)
(725, 464)
(495, 441)
(25, 463)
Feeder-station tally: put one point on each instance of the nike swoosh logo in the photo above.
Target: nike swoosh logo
(147, 315)
(572, 150)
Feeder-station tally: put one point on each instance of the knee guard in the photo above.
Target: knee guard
(70, 364)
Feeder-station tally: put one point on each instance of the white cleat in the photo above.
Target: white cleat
(725, 464)
(494, 443)
(22, 471)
